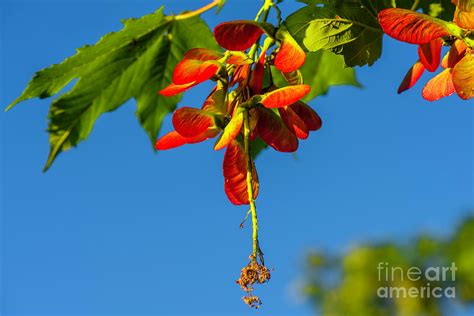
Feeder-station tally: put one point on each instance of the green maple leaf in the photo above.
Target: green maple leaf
(325, 69)
(345, 28)
(135, 62)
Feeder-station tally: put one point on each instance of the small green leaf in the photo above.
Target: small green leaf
(348, 29)
(220, 5)
(135, 62)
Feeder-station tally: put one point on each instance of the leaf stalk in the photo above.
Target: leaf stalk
(197, 12)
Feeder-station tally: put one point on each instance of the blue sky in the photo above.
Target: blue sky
(114, 229)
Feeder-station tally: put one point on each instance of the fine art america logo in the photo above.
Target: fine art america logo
(428, 282)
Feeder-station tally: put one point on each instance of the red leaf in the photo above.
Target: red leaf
(285, 96)
(274, 132)
(463, 77)
(174, 139)
(430, 54)
(238, 35)
(258, 73)
(198, 64)
(291, 56)
(411, 27)
(194, 71)
(240, 74)
(412, 77)
(190, 122)
(235, 175)
(293, 122)
(455, 54)
(310, 118)
(174, 89)
(439, 86)
(202, 54)
(230, 132)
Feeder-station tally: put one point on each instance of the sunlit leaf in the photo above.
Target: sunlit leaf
(465, 5)
(455, 54)
(291, 56)
(230, 132)
(235, 175)
(175, 89)
(412, 27)
(198, 65)
(412, 77)
(348, 29)
(285, 96)
(463, 77)
(190, 122)
(174, 139)
(430, 54)
(439, 86)
(464, 19)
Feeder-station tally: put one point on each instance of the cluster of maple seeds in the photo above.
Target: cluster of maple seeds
(243, 87)
(244, 105)
(430, 35)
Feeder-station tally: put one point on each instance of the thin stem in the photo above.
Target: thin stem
(264, 12)
(259, 13)
(415, 5)
(256, 252)
(253, 209)
(278, 11)
(394, 3)
(197, 12)
(245, 218)
(372, 9)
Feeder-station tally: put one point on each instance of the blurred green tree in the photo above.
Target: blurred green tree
(359, 282)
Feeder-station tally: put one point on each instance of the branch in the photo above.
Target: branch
(197, 12)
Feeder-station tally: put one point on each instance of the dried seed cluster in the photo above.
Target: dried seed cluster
(253, 273)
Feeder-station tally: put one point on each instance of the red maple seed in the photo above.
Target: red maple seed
(411, 27)
(412, 77)
(238, 35)
(430, 54)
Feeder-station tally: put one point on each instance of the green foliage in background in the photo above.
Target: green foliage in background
(348, 284)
